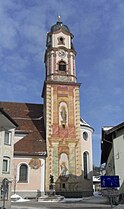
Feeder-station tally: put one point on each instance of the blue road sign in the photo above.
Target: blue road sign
(110, 181)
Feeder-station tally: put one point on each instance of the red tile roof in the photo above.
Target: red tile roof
(29, 118)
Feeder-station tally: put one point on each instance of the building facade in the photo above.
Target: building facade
(112, 152)
(7, 130)
(28, 167)
(51, 138)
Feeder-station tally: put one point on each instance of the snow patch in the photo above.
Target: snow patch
(17, 198)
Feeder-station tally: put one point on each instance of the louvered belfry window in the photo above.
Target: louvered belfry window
(62, 66)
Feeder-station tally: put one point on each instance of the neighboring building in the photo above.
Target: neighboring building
(29, 148)
(112, 155)
(97, 172)
(7, 129)
(96, 184)
(51, 138)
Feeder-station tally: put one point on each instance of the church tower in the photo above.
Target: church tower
(62, 112)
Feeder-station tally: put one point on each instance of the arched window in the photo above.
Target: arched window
(62, 66)
(85, 135)
(86, 164)
(23, 173)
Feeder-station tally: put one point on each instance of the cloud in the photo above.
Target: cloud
(8, 28)
(19, 90)
(111, 109)
(13, 65)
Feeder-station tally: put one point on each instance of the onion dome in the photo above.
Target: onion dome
(59, 25)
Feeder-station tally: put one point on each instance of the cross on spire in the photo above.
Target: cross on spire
(59, 18)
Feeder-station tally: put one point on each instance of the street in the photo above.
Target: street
(58, 205)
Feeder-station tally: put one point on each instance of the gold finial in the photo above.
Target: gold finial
(59, 18)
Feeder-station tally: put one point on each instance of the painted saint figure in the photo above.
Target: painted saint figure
(63, 115)
(63, 169)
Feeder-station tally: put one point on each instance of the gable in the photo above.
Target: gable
(29, 118)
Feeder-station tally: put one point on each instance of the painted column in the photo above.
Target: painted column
(72, 159)
(55, 161)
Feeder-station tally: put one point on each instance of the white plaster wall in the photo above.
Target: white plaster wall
(110, 167)
(7, 151)
(118, 144)
(86, 145)
(18, 137)
(36, 177)
(66, 40)
(1, 157)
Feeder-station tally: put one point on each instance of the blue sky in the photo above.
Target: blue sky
(98, 28)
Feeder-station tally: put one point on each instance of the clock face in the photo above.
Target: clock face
(61, 53)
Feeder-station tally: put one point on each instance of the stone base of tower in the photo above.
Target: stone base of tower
(71, 186)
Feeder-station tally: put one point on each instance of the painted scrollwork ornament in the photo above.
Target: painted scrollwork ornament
(35, 163)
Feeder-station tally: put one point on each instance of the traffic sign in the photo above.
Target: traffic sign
(110, 181)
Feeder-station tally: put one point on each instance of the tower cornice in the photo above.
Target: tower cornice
(60, 47)
(59, 31)
(59, 83)
(62, 83)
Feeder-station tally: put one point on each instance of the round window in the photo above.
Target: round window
(85, 135)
